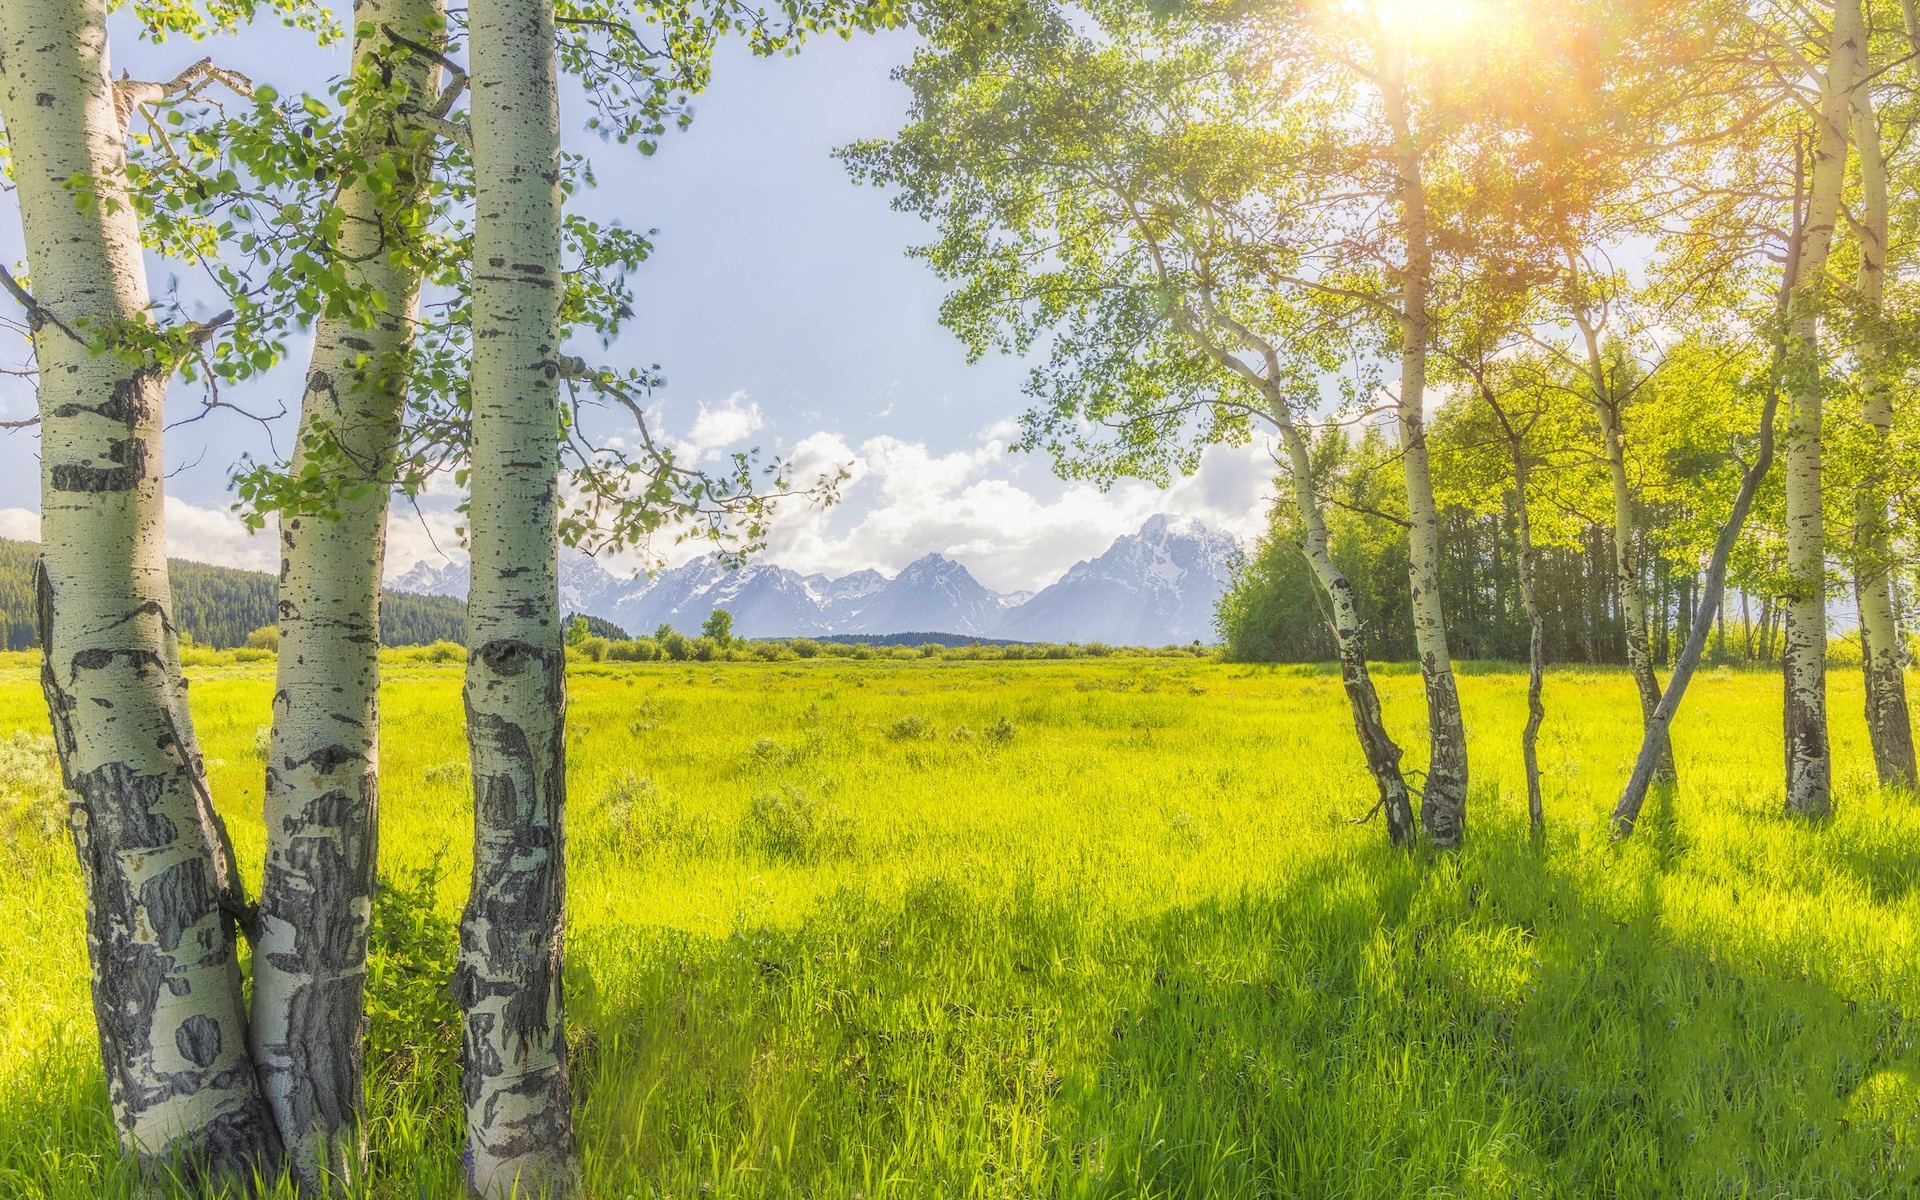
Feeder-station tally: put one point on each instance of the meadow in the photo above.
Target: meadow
(1099, 927)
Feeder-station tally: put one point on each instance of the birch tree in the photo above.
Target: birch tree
(1804, 661)
(322, 784)
(1882, 657)
(508, 983)
(163, 896)
(1071, 205)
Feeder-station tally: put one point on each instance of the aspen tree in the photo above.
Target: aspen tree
(508, 983)
(1443, 804)
(1804, 661)
(1152, 273)
(163, 897)
(321, 802)
(1609, 404)
(1889, 722)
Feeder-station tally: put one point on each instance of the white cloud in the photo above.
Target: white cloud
(716, 428)
(213, 535)
(903, 501)
(19, 524)
(1011, 523)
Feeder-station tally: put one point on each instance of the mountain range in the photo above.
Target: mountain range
(1155, 587)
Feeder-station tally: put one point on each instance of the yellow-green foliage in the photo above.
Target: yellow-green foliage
(1101, 927)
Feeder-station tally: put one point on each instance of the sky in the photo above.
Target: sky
(784, 314)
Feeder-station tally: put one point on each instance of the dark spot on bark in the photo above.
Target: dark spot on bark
(103, 702)
(129, 453)
(43, 99)
(511, 657)
(198, 1039)
(327, 759)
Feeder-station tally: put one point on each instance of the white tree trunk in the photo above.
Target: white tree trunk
(1809, 766)
(321, 805)
(1382, 754)
(1889, 722)
(1443, 808)
(166, 984)
(519, 1123)
(1633, 597)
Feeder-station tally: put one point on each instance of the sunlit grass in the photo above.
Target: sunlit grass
(1103, 928)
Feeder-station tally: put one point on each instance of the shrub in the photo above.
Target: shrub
(267, 637)
(961, 734)
(262, 741)
(1000, 732)
(705, 649)
(788, 823)
(804, 647)
(908, 728)
(413, 1026)
(595, 648)
(247, 654)
(639, 814)
(676, 645)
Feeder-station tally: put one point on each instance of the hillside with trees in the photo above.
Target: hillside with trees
(220, 606)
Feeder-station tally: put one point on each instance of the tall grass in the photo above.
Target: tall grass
(1101, 928)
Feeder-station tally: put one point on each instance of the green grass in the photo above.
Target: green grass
(1118, 938)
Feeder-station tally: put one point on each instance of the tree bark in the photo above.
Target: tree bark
(1804, 662)
(1889, 723)
(519, 1121)
(162, 896)
(1443, 808)
(1382, 754)
(1633, 597)
(321, 803)
(1627, 811)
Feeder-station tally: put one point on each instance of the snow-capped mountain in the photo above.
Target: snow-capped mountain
(1155, 587)
(425, 579)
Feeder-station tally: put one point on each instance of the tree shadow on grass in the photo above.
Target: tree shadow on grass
(1568, 1021)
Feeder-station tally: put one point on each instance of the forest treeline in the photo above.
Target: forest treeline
(219, 606)
(1273, 611)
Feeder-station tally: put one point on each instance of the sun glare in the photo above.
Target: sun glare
(1431, 23)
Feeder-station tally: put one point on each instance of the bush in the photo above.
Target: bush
(595, 648)
(788, 823)
(413, 1025)
(908, 728)
(1000, 732)
(267, 637)
(247, 654)
(705, 649)
(676, 645)
(804, 647)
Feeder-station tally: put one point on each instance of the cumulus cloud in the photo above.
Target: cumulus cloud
(19, 524)
(720, 426)
(215, 535)
(974, 505)
(1004, 516)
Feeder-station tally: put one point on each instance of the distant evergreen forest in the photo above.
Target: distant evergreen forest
(219, 606)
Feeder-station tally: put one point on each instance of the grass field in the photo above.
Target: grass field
(1098, 928)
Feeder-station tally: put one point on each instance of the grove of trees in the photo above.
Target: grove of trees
(1531, 297)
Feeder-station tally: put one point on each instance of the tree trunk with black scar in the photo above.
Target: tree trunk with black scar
(1443, 808)
(1383, 756)
(1889, 722)
(508, 984)
(321, 806)
(160, 887)
(1804, 661)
